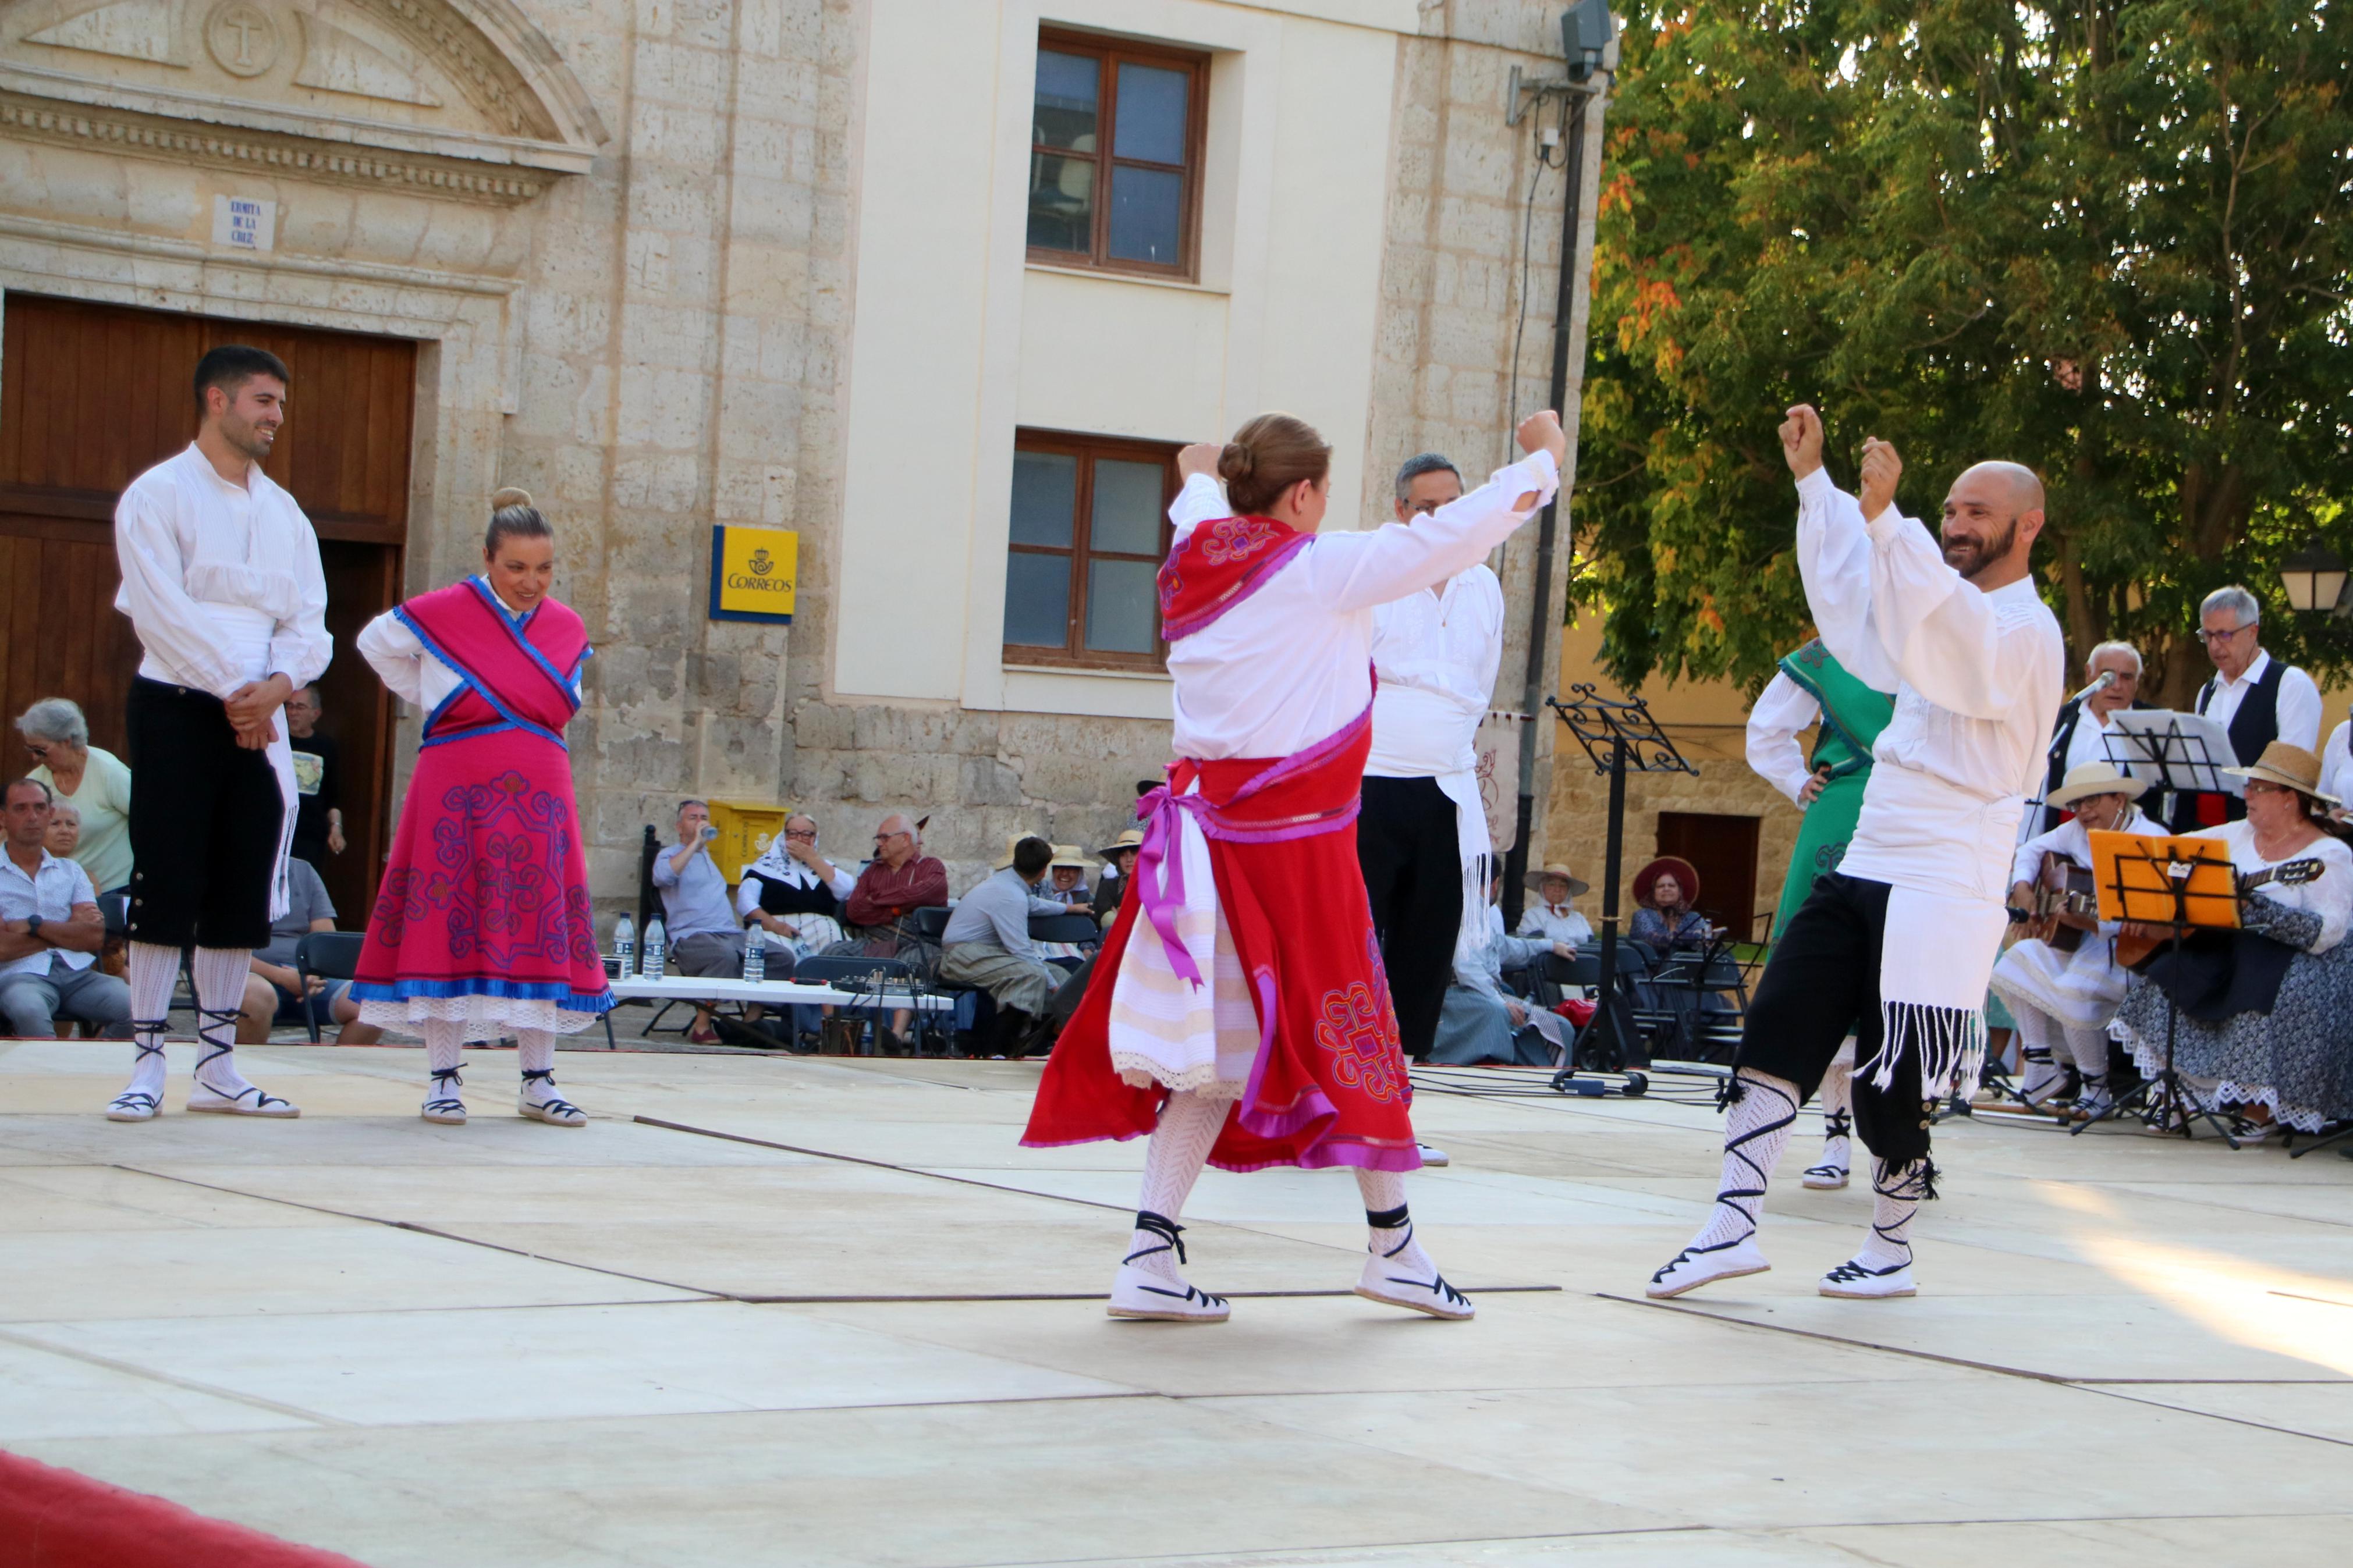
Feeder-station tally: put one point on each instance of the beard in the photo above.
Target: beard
(252, 439)
(1970, 556)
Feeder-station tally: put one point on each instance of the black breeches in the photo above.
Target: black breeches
(1407, 843)
(206, 815)
(1821, 981)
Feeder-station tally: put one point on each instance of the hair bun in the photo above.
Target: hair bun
(1236, 462)
(507, 496)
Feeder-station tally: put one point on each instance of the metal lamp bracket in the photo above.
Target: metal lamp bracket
(1518, 92)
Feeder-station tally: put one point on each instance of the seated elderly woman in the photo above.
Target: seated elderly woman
(1667, 889)
(2263, 1010)
(2062, 982)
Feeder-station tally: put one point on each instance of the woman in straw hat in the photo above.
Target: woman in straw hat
(2063, 999)
(482, 924)
(2261, 1021)
(1119, 874)
(1552, 917)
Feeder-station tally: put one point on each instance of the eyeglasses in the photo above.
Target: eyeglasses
(38, 748)
(2224, 635)
(805, 837)
(2265, 786)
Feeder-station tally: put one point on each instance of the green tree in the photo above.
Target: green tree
(2107, 241)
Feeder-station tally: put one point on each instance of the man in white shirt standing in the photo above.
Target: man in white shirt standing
(1421, 832)
(1900, 940)
(221, 581)
(2256, 699)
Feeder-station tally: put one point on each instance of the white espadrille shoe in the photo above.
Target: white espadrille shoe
(1141, 1293)
(1856, 1280)
(246, 1102)
(1382, 1280)
(1432, 1157)
(1148, 1286)
(442, 1105)
(1696, 1265)
(1825, 1177)
(539, 1102)
(133, 1105)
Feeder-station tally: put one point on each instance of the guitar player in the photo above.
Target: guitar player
(2062, 982)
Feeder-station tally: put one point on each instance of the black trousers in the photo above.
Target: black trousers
(1821, 981)
(1412, 861)
(206, 816)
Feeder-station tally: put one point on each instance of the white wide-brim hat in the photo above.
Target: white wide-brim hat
(2085, 780)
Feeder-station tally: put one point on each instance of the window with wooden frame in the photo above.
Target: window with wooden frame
(1090, 529)
(1115, 136)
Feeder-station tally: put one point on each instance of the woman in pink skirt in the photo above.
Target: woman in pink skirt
(482, 926)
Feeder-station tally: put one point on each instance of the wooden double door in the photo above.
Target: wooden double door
(90, 397)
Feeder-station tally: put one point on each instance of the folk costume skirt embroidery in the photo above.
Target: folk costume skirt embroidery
(483, 918)
(1326, 1081)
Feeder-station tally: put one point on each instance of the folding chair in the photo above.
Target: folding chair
(330, 955)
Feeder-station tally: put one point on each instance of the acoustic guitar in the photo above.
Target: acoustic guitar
(2061, 887)
(2131, 950)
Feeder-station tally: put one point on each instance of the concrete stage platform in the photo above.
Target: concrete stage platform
(819, 1311)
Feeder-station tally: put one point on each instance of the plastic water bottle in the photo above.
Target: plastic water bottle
(624, 945)
(657, 946)
(756, 957)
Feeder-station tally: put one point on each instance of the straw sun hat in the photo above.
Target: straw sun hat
(1131, 839)
(2281, 764)
(2085, 780)
(1535, 881)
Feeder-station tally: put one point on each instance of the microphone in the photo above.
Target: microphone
(2105, 680)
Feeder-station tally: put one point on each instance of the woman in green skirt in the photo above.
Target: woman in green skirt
(1812, 688)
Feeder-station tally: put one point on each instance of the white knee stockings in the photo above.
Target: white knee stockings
(1757, 1128)
(1173, 1159)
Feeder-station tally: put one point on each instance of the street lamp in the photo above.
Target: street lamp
(2314, 576)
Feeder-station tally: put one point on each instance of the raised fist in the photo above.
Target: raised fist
(1881, 468)
(1541, 432)
(1801, 439)
(1200, 458)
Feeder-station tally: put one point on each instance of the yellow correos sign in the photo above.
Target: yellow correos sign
(755, 573)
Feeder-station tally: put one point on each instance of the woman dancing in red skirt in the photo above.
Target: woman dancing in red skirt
(1239, 1014)
(483, 926)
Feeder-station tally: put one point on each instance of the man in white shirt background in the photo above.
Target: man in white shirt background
(50, 930)
(2081, 735)
(222, 582)
(2256, 699)
(1422, 836)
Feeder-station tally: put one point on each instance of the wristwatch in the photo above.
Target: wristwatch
(32, 925)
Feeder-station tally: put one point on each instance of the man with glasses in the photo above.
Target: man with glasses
(2256, 699)
(318, 780)
(898, 882)
(793, 894)
(2082, 733)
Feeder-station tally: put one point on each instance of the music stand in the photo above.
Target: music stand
(2180, 753)
(1619, 737)
(2184, 884)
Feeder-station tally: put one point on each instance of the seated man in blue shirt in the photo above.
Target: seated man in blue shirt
(987, 943)
(706, 935)
(50, 930)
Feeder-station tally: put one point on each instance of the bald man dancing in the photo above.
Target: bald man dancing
(1901, 939)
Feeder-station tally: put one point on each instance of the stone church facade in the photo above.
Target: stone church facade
(672, 263)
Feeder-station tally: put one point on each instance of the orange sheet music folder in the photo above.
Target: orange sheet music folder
(2166, 881)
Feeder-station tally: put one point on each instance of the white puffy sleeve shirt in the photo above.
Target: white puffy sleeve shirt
(1784, 710)
(1292, 663)
(221, 581)
(409, 670)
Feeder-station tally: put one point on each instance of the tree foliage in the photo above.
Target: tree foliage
(2106, 240)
